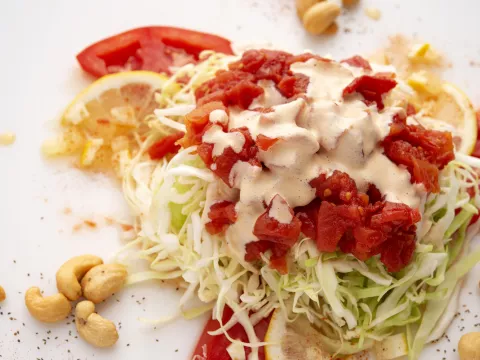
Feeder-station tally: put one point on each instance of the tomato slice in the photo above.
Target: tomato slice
(153, 48)
(215, 347)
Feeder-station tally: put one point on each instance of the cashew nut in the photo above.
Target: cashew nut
(47, 309)
(92, 327)
(70, 273)
(3, 296)
(349, 3)
(320, 16)
(469, 346)
(101, 281)
(304, 5)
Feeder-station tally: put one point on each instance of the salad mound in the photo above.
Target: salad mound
(323, 192)
(356, 261)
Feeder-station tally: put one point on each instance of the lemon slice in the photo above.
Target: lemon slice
(124, 98)
(109, 112)
(455, 112)
(300, 340)
(293, 341)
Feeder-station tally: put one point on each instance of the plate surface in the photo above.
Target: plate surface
(39, 76)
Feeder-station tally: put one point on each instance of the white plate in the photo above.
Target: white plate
(39, 75)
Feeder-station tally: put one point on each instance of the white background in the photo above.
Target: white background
(39, 75)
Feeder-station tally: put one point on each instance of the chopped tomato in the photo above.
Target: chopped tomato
(221, 214)
(374, 195)
(305, 57)
(372, 88)
(338, 188)
(270, 229)
(273, 235)
(196, 122)
(215, 347)
(164, 146)
(476, 150)
(427, 174)
(229, 87)
(292, 85)
(278, 260)
(264, 64)
(264, 142)
(225, 162)
(333, 222)
(358, 61)
(308, 215)
(153, 48)
(424, 152)
(398, 252)
(238, 85)
(360, 224)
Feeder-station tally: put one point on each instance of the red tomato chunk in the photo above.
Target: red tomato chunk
(221, 214)
(166, 145)
(423, 152)
(264, 142)
(275, 236)
(196, 122)
(372, 88)
(358, 61)
(357, 223)
(225, 162)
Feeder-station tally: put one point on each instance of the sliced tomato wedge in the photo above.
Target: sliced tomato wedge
(153, 48)
(215, 347)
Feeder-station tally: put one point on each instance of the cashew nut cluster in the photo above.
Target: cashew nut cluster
(47, 309)
(71, 272)
(100, 282)
(92, 327)
(81, 275)
(3, 296)
(469, 346)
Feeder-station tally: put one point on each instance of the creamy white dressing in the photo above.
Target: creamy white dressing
(221, 140)
(218, 117)
(319, 134)
(270, 97)
(280, 211)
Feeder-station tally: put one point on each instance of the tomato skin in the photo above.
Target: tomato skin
(147, 48)
(270, 229)
(371, 87)
(358, 61)
(264, 142)
(216, 346)
(164, 146)
(197, 122)
(476, 149)
(221, 214)
(424, 152)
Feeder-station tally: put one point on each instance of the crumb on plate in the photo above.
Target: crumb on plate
(373, 13)
(7, 138)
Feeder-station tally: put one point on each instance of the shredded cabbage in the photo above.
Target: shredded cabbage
(353, 304)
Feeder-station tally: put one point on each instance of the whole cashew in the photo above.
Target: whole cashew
(92, 327)
(101, 281)
(47, 309)
(469, 346)
(70, 273)
(3, 296)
